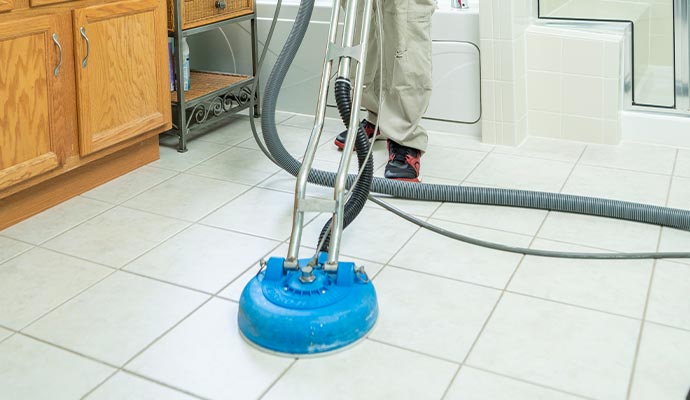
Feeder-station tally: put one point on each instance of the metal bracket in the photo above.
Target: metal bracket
(316, 205)
(336, 50)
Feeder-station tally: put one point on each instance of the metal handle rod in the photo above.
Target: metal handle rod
(348, 36)
(85, 61)
(341, 177)
(303, 175)
(56, 71)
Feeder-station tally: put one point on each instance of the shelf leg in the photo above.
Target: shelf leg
(179, 79)
(255, 60)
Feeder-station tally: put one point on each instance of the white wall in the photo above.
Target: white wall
(502, 42)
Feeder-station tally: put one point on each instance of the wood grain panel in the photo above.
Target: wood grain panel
(121, 92)
(27, 134)
(41, 197)
(6, 5)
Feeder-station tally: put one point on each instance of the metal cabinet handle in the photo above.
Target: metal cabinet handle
(56, 71)
(82, 30)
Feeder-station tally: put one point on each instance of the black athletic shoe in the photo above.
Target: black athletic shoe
(368, 129)
(403, 162)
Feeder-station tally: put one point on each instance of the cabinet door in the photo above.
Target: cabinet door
(32, 128)
(122, 71)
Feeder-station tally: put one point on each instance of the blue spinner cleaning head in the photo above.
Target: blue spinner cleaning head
(281, 313)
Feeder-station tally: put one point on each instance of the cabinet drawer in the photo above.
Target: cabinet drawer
(201, 12)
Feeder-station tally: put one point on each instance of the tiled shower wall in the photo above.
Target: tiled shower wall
(504, 99)
(574, 88)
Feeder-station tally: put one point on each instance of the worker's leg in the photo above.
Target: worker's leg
(406, 72)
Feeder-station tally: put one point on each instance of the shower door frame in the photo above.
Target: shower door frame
(681, 57)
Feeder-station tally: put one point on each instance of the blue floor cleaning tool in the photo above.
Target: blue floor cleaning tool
(320, 304)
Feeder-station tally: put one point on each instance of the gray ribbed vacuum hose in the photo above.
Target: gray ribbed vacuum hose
(674, 218)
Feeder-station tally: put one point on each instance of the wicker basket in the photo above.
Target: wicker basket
(201, 12)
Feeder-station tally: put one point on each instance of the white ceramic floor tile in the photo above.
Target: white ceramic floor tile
(432, 253)
(451, 312)
(197, 151)
(205, 355)
(616, 184)
(39, 280)
(458, 141)
(285, 182)
(521, 173)
(116, 318)
(675, 240)
(238, 165)
(453, 164)
(4, 334)
(10, 248)
(519, 220)
(117, 236)
(262, 212)
(294, 140)
(32, 370)
(187, 197)
(368, 371)
(618, 286)
(663, 365)
(668, 301)
(417, 208)
(550, 149)
(572, 349)
(683, 163)
(235, 131)
(375, 235)
(307, 122)
(202, 258)
(474, 384)
(632, 156)
(234, 290)
(130, 387)
(56, 220)
(129, 185)
(601, 233)
(679, 196)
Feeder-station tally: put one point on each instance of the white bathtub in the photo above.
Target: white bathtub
(455, 105)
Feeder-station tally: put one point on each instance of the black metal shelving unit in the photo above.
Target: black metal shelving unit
(214, 97)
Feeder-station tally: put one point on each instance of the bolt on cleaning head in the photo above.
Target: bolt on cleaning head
(307, 274)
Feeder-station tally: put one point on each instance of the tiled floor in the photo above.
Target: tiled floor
(130, 290)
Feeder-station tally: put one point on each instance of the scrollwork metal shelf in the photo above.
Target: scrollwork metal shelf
(214, 97)
(209, 110)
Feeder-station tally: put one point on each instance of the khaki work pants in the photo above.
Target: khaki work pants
(406, 70)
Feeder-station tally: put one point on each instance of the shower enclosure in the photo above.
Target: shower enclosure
(660, 63)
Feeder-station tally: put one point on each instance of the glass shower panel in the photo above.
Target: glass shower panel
(653, 40)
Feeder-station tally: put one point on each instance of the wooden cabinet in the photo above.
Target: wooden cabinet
(122, 75)
(84, 92)
(32, 113)
(6, 5)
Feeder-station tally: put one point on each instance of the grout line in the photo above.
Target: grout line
(649, 295)
(138, 192)
(513, 378)
(58, 346)
(452, 381)
(93, 389)
(282, 374)
(149, 379)
(497, 302)
(410, 350)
